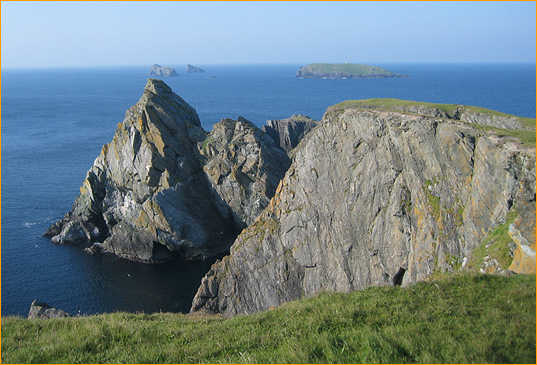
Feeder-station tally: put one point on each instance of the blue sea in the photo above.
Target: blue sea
(55, 121)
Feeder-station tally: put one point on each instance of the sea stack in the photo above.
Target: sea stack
(165, 188)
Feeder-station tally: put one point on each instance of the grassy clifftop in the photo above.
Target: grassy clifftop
(464, 318)
(482, 118)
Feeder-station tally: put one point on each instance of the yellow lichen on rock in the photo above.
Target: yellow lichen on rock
(524, 255)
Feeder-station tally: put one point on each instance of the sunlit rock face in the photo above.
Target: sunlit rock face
(146, 195)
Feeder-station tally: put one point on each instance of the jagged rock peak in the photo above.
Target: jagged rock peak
(379, 197)
(244, 167)
(157, 87)
(146, 195)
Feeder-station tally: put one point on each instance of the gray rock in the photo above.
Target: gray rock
(244, 167)
(42, 310)
(287, 133)
(373, 197)
(161, 71)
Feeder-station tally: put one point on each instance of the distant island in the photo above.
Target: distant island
(194, 69)
(160, 71)
(344, 71)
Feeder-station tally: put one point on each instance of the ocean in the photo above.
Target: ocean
(55, 121)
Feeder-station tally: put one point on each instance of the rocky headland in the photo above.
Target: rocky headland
(164, 187)
(162, 71)
(344, 71)
(194, 69)
(379, 192)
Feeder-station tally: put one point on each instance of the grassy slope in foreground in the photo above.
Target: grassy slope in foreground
(526, 137)
(464, 318)
(351, 70)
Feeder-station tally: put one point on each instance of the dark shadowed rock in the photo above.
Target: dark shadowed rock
(287, 133)
(42, 310)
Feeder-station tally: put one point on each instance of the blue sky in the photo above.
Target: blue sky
(75, 34)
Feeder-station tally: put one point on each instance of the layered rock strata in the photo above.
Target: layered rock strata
(287, 133)
(375, 197)
(164, 187)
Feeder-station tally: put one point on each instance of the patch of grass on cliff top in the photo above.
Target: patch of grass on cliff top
(527, 138)
(470, 318)
(495, 245)
(397, 104)
(350, 68)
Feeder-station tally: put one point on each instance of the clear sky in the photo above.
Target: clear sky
(74, 34)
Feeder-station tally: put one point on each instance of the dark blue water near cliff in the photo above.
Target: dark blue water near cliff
(54, 123)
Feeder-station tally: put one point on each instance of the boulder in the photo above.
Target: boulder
(42, 310)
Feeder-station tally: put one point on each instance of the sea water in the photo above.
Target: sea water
(55, 121)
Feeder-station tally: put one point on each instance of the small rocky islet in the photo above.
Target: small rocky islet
(162, 71)
(379, 192)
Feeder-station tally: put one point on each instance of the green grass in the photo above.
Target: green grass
(462, 318)
(495, 245)
(397, 104)
(526, 138)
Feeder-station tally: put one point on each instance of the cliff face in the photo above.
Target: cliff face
(377, 197)
(287, 133)
(164, 187)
